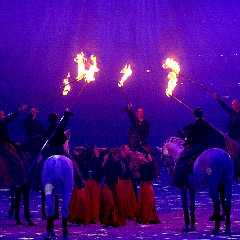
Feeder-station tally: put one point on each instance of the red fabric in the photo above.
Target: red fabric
(79, 208)
(127, 198)
(111, 212)
(146, 209)
(94, 192)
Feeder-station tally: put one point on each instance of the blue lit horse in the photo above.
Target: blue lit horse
(213, 169)
(57, 178)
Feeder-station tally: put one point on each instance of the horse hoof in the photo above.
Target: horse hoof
(48, 235)
(53, 234)
(193, 229)
(19, 222)
(227, 231)
(215, 231)
(65, 236)
(10, 212)
(186, 229)
(31, 223)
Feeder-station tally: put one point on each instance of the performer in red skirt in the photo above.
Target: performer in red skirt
(125, 187)
(146, 209)
(111, 211)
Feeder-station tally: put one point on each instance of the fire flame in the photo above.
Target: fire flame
(172, 76)
(89, 74)
(67, 86)
(80, 59)
(127, 71)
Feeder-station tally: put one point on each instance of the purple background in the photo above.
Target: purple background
(38, 42)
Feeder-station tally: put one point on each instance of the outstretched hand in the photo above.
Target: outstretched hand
(23, 107)
(129, 106)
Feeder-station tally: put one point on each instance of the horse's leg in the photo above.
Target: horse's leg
(192, 193)
(66, 202)
(223, 201)
(183, 194)
(26, 194)
(228, 206)
(11, 211)
(18, 192)
(214, 194)
(50, 218)
(56, 213)
(43, 201)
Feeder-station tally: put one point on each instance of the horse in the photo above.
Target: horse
(57, 178)
(213, 169)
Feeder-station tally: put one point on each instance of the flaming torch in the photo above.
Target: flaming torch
(80, 59)
(66, 90)
(172, 83)
(127, 71)
(88, 74)
(67, 87)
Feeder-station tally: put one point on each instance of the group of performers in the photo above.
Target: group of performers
(106, 180)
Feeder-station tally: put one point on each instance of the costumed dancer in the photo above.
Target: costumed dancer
(125, 187)
(146, 207)
(79, 211)
(111, 211)
(94, 182)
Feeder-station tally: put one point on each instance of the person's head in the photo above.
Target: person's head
(198, 112)
(2, 114)
(115, 154)
(52, 117)
(32, 112)
(236, 105)
(125, 150)
(140, 112)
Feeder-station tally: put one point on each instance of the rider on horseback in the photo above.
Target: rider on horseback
(195, 136)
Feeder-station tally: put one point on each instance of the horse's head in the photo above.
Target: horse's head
(170, 151)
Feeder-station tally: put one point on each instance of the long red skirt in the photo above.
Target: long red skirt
(127, 198)
(146, 208)
(79, 210)
(94, 192)
(12, 170)
(111, 212)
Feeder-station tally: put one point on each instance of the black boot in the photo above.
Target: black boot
(50, 228)
(64, 229)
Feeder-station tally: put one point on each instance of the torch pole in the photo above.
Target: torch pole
(191, 110)
(43, 97)
(125, 95)
(75, 100)
(196, 83)
(200, 85)
(49, 102)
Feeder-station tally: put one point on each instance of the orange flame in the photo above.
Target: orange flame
(127, 71)
(89, 74)
(80, 59)
(67, 86)
(172, 76)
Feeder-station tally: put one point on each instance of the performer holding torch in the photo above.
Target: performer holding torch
(233, 131)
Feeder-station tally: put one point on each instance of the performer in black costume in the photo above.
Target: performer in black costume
(195, 143)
